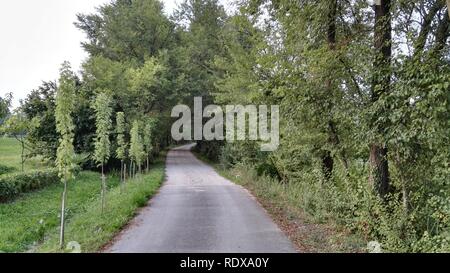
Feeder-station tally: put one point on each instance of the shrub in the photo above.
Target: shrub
(6, 169)
(11, 186)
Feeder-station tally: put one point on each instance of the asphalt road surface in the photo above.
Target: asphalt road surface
(198, 211)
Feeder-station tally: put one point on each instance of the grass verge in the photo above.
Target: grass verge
(25, 221)
(91, 229)
(279, 200)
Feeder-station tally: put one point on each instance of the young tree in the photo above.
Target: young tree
(148, 140)
(122, 145)
(136, 148)
(103, 112)
(65, 99)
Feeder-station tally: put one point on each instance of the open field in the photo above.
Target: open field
(10, 151)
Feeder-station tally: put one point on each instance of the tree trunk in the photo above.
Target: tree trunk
(63, 212)
(331, 30)
(442, 34)
(405, 196)
(327, 158)
(23, 154)
(103, 189)
(148, 164)
(327, 165)
(125, 172)
(131, 169)
(121, 172)
(379, 169)
(426, 27)
(332, 39)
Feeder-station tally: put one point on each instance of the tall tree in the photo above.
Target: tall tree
(124, 30)
(148, 141)
(65, 99)
(327, 158)
(136, 148)
(122, 144)
(379, 173)
(103, 113)
(202, 43)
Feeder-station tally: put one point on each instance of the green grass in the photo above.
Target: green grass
(91, 229)
(27, 220)
(10, 156)
(31, 223)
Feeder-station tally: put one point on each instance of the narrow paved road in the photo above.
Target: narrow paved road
(197, 210)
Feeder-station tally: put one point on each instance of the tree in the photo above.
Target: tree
(133, 48)
(122, 144)
(379, 173)
(146, 86)
(124, 30)
(103, 112)
(65, 98)
(17, 125)
(136, 148)
(39, 106)
(5, 103)
(148, 141)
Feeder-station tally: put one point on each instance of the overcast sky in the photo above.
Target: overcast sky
(37, 36)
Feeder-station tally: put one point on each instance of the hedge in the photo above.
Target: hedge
(6, 169)
(11, 186)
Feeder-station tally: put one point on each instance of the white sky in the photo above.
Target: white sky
(37, 36)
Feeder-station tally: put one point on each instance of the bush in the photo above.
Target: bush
(6, 169)
(210, 149)
(11, 186)
(248, 153)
